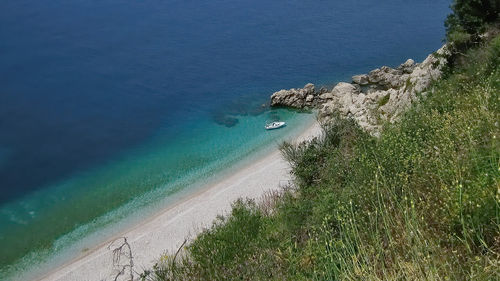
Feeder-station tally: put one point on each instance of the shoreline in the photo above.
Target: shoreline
(165, 231)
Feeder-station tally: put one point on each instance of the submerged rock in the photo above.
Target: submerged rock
(225, 120)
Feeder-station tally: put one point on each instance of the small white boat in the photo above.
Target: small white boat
(275, 125)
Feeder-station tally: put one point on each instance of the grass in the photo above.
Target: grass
(384, 100)
(421, 202)
(409, 84)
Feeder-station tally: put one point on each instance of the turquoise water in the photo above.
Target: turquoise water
(139, 183)
(109, 109)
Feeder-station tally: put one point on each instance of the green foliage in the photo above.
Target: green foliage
(459, 37)
(230, 239)
(472, 15)
(466, 26)
(224, 250)
(408, 84)
(421, 202)
(385, 99)
(309, 159)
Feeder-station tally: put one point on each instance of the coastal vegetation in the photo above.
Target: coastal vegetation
(418, 202)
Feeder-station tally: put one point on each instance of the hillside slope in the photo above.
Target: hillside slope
(419, 202)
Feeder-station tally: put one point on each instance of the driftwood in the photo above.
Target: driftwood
(122, 250)
(178, 250)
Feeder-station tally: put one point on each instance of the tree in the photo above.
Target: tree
(472, 15)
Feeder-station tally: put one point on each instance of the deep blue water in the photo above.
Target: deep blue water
(104, 98)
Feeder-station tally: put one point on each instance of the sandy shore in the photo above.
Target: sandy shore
(168, 229)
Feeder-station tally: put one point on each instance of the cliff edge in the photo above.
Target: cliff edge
(381, 95)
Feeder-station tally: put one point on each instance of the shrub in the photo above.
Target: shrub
(385, 99)
(472, 15)
(421, 202)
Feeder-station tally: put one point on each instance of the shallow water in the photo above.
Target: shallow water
(107, 107)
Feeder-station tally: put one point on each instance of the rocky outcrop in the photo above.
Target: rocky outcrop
(297, 98)
(362, 79)
(381, 95)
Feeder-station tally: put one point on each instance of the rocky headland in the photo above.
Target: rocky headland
(381, 95)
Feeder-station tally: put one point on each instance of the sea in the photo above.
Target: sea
(111, 109)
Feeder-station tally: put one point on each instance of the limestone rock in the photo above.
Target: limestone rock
(388, 92)
(386, 77)
(430, 69)
(360, 79)
(407, 66)
(374, 76)
(343, 88)
(327, 96)
(295, 98)
(309, 89)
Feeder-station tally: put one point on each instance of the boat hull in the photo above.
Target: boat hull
(275, 125)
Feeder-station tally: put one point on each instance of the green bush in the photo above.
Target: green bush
(421, 202)
(385, 99)
(472, 15)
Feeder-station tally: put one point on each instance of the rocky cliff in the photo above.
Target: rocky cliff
(383, 94)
